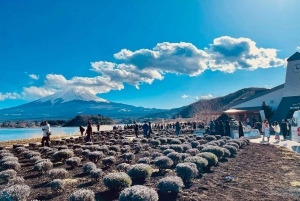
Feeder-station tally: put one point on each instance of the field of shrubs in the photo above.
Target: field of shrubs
(115, 166)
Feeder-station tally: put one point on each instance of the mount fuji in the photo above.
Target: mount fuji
(69, 103)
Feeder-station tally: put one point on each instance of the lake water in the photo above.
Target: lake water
(25, 133)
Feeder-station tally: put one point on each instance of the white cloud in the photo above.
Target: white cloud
(298, 48)
(184, 96)
(204, 97)
(33, 76)
(4, 96)
(33, 92)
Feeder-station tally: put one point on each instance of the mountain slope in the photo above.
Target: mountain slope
(70, 103)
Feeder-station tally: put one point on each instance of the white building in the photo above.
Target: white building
(284, 99)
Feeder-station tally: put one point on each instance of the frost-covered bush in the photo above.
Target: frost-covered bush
(125, 149)
(155, 143)
(73, 162)
(108, 161)
(128, 157)
(88, 167)
(43, 166)
(123, 167)
(184, 156)
(232, 149)
(167, 151)
(175, 157)
(177, 148)
(186, 147)
(195, 144)
(63, 155)
(170, 185)
(30, 154)
(226, 152)
(156, 154)
(117, 181)
(144, 160)
(16, 180)
(182, 139)
(163, 162)
(162, 140)
(192, 152)
(96, 174)
(138, 193)
(85, 154)
(4, 154)
(18, 145)
(201, 163)
(164, 147)
(187, 171)
(210, 138)
(57, 185)
(112, 153)
(218, 151)
(78, 151)
(144, 140)
(82, 195)
(8, 158)
(6, 175)
(210, 157)
(57, 173)
(103, 148)
(233, 144)
(140, 172)
(200, 147)
(34, 159)
(15, 193)
(95, 156)
(175, 141)
(115, 148)
(14, 165)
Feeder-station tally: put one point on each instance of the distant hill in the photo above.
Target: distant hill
(218, 104)
(82, 120)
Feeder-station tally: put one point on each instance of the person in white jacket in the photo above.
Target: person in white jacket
(276, 128)
(46, 134)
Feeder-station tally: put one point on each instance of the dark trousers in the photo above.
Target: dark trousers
(47, 141)
(284, 134)
(136, 133)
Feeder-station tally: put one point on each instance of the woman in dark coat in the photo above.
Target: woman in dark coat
(89, 132)
(227, 129)
(221, 128)
(241, 131)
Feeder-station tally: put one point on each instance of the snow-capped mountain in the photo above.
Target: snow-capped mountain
(69, 103)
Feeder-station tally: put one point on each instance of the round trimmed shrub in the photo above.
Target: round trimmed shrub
(30, 154)
(73, 162)
(200, 147)
(128, 157)
(125, 149)
(201, 163)
(16, 192)
(140, 172)
(16, 180)
(163, 162)
(123, 167)
(88, 167)
(78, 151)
(155, 143)
(96, 174)
(115, 148)
(85, 154)
(108, 161)
(57, 173)
(62, 155)
(164, 147)
(167, 151)
(192, 152)
(112, 153)
(186, 171)
(233, 144)
(117, 181)
(34, 159)
(175, 141)
(218, 151)
(162, 140)
(177, 148)
(144, 160)
(195, 144)
(184, 156)
(232, 149)
(210, 138)
(11, 165)
(95, 156)
(43, 166)
(210, 157)
(8, 159)
(175, 157)
(182, 139)
(226, 153)
(103, 148)
(156, 154)
(57, 185)
(186, 147)
(138, 193)
(82, 195)
(170, 185)
(2, 155)
(6, 175)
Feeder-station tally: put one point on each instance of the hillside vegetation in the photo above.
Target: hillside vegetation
(82, 120)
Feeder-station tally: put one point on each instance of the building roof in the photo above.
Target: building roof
(257, 95)
(294, 57)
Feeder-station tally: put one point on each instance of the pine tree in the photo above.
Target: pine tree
(269, 112)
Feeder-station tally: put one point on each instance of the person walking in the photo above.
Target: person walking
(81, 129)
(136, 129)
(276, 128)
(46, 134)
(145, 129)
(221, 127)
(98, 127)
(241, 130)
(265, 125)
(212, 127)
(227, 129)
(150, 130)
(89, 132)
(177, 128)
(283, 127)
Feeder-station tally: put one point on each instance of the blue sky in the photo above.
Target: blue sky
(144, 53)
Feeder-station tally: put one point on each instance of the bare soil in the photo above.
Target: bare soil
(261, 172)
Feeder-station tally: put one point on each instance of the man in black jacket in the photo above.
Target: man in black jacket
(136, 129)
(283, 128)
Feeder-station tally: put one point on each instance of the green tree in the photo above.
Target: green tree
(269, 112)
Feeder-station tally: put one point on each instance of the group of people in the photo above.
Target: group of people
(284, 128)
(218, 128)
